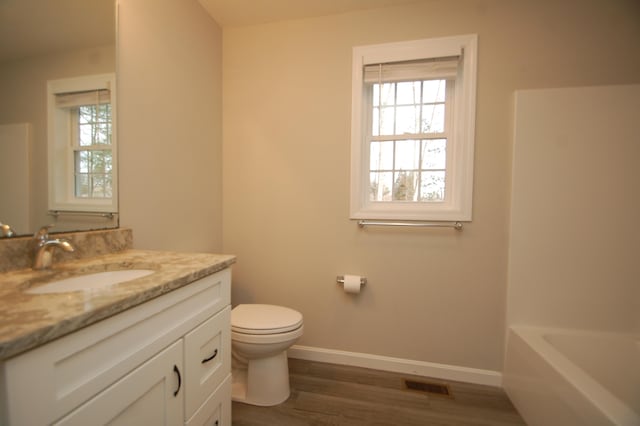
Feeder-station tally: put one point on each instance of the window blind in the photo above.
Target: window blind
(437, 68)
(75, 99)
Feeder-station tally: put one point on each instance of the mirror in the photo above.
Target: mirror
(41, 41)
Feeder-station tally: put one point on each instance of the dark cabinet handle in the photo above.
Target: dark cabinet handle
(215, 353)
(175, 370)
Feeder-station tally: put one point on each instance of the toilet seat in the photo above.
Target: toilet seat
(266, 339)
(256, 319)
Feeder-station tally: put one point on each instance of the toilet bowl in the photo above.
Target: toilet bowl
(260, 337)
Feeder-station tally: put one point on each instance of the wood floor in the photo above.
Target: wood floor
(327, 394)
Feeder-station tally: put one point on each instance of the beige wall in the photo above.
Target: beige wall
(23, 99)
(433, 295)
(169, 93)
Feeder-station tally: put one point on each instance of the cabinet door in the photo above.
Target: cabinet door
(207, 359)
(152, 394)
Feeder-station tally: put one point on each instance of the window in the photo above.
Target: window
(413, 129)
(82, 144)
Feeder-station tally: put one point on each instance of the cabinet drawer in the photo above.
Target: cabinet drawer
(207, 359)
(216, 411)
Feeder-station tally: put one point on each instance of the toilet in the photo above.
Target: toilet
(260, 337)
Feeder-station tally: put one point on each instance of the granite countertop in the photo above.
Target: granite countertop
(30, 320)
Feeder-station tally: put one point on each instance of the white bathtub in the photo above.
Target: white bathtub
(572, 377)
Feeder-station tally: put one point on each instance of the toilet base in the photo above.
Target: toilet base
(264, 381)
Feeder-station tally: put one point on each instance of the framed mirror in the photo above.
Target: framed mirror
(41, 41)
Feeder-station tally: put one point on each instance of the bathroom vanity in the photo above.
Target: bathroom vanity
(152, 350)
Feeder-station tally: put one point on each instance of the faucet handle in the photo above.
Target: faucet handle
(43, 232)
(6, 231)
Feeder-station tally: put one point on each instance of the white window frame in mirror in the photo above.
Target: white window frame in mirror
(60, 152)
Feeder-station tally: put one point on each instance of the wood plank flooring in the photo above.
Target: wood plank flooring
(328, 394)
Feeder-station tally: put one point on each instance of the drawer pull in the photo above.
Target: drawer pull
(177, 371)
(215, 353)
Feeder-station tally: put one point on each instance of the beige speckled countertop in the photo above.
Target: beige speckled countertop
(30, 320)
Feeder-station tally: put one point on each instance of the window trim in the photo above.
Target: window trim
(459, 205)
(60, 158)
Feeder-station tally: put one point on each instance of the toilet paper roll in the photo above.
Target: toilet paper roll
(352, 283)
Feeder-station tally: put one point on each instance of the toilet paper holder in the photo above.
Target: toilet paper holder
(340, 280)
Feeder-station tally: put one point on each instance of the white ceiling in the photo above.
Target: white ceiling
(34, 27)
(247, 12)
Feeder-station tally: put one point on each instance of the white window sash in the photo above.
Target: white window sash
(449, 108)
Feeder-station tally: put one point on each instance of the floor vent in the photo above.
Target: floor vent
(428, 387)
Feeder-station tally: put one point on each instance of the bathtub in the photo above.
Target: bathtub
(573, 377)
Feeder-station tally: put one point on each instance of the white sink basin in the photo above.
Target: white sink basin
(92, 281)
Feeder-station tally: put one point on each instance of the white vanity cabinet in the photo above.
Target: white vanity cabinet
(164, 362)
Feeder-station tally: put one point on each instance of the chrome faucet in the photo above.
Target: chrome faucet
(43, 248)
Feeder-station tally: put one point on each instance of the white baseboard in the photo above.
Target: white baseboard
(398, 365)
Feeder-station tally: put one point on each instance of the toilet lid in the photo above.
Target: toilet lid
(264, 319)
